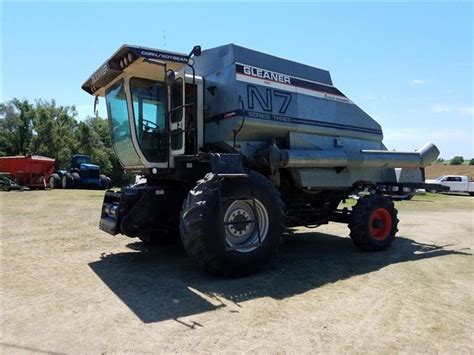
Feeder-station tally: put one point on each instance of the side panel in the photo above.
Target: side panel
(272, 104)
(321, 178)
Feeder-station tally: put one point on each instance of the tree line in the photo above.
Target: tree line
(47, 129)
(456, 160)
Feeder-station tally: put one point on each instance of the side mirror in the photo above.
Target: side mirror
(196, 51)
(170, 77)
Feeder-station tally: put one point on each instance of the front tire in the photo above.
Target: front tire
(233, 250)
(373, 223)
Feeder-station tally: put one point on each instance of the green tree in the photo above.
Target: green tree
(471, 162)
(44, 128)
(55, 131)
(16, 120)
(457, 160)
(94, 139)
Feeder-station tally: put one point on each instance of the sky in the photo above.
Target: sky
(409, 65)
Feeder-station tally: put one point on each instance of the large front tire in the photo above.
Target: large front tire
(373, 223)
(233, 250)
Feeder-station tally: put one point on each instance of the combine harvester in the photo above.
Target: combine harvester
(32, 171)
(236, 145)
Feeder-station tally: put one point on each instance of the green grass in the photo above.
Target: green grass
(425, 202)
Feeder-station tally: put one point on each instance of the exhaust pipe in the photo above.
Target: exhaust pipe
(300, 158)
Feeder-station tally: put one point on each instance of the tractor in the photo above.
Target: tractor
(238, 145)
(81, 174)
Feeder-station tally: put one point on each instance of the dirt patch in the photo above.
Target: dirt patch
(435, 170)
(69, 288)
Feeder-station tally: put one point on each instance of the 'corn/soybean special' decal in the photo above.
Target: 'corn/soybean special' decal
(259, 76)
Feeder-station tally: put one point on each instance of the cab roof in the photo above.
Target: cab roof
(111, 68)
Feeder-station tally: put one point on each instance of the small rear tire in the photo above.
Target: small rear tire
(373, 223)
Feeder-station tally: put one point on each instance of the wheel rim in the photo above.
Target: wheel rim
(64, 181)
(380, 223)
(243, 236)
(51, 182)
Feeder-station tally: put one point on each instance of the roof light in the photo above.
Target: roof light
(125, 61)
(121, 64)
(130, 57)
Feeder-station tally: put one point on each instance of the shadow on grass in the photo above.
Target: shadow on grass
(163, 283)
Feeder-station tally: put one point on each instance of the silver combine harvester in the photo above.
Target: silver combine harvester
(235, 146)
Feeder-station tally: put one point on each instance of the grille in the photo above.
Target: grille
(90, 174)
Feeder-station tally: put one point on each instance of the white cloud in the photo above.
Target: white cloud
(441, 108)
(458, 110)
(466, 111)
(417, 82)
(402, 134)
(450, 142)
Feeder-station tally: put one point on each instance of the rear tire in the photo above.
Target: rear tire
(373, 223)
(67, 181)
(207, 240)
(54, 181)
(104, 182)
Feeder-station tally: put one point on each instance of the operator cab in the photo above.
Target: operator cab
(78, 160)
(154, 106)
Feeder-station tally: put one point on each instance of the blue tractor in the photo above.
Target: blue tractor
(81, 174)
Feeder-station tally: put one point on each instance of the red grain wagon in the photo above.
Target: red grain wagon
(32, 171)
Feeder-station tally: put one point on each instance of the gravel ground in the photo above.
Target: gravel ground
(66, 287)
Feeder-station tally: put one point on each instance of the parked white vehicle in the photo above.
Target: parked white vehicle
(456, 183)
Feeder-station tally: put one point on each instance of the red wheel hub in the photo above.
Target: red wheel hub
(380, 224)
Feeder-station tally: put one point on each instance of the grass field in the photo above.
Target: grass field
(66, 287)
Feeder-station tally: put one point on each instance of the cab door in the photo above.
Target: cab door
(453, 182)
(177, 118)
